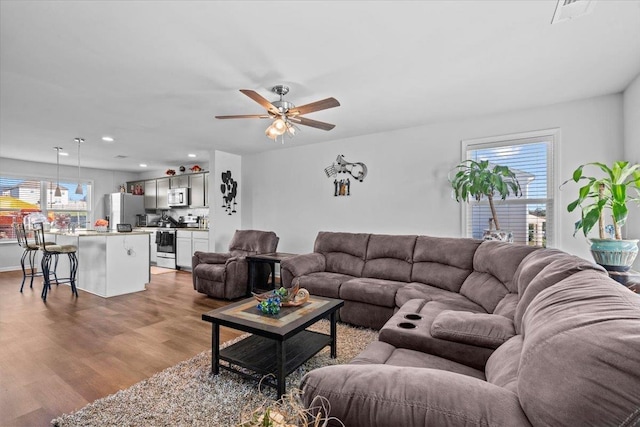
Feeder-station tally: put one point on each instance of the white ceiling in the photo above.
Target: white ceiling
(152, 74)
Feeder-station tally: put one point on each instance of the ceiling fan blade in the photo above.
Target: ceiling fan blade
(314, 106)
(313, 123)
(245, 116)
(261, 100)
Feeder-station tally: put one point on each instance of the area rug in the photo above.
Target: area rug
(187, 394)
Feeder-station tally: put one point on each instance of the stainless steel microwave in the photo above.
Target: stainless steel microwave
(178, 197)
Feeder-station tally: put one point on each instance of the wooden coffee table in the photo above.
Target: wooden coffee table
(279, 344)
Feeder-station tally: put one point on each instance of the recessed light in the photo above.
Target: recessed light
(107, 139)
(143, 165)
(64, 154)
(191, 155)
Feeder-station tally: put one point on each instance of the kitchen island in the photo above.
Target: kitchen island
(109, 263)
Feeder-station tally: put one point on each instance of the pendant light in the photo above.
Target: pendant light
(79, 187)
(57, 193)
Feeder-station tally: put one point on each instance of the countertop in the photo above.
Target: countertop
(83, 233)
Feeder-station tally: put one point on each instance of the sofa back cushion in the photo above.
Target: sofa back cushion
(494, 265)
(581, 353)
(344, 252)
(443, 262)
(251, 242)
(389, 257)
(543, 269)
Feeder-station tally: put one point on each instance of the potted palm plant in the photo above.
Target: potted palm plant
(481, 179)
(612, 192)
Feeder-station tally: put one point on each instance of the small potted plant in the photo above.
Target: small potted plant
(618, 186)
(482, 179)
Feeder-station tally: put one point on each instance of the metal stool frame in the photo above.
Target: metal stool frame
(50, 254)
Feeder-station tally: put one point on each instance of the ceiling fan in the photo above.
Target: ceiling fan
(285, 114)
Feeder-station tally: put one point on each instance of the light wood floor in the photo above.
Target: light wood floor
(59, 356)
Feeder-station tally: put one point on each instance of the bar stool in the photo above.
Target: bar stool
(30, 252)
(50, 254)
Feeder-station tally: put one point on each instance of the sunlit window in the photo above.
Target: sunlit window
(529, 217)
(20, 197)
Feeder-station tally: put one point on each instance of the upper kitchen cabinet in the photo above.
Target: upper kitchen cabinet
(135, 187)
(197, 185)
(162, 187)
(150, 194)
(180, 181)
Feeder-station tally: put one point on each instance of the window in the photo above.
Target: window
(20, 196)
(530, 156)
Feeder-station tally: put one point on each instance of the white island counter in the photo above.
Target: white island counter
(109, 263)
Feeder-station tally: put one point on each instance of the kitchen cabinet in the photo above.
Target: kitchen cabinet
(179, 181)
(187, 242)
(196, 183)
(162, 188)
(132, 185)
(150, 194)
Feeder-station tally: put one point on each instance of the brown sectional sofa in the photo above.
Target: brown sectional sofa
(474, 333)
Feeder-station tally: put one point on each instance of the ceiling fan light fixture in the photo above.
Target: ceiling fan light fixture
(271, 132)
(279, 125)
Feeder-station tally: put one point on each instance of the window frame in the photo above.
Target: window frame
(553, 161)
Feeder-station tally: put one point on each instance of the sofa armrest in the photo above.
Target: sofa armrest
(300, 265)
(210, 258)
(385, 395)
(479, 329)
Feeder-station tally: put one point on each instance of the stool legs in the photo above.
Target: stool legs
(24, 271)
(31, 255)
(47, 259)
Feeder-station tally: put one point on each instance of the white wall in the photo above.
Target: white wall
(222, 225)
(631, 102)
(104, 181)
(406, 191)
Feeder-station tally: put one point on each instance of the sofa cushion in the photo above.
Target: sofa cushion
(389, 257)
(502, 366)
(484, 330)
(212, 272)
(581, 353)
(443, 262)
(556, 266)
(344, 252)
(494, 264)
(507, 306)
(323, 284)
(431, 293)
(379, 352)
(398, 396)
(371, 291)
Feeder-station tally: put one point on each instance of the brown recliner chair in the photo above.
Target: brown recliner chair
(225, 275)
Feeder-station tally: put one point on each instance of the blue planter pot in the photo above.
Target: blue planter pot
(617, 254)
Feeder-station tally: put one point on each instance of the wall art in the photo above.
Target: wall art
(229, 189)
(342, 187)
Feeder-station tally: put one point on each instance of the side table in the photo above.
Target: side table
(272, 259)
(629, 278)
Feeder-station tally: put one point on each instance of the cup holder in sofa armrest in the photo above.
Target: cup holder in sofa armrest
(479, 329)
(412, 316)
(406, 325)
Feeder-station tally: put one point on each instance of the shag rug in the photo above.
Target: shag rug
(187, 394)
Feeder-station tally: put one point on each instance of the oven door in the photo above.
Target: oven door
(166, 249)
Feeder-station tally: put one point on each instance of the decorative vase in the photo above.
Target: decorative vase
(614, 255)
(498, 235)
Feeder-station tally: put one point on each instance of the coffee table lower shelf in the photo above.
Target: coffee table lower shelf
(260, 355)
